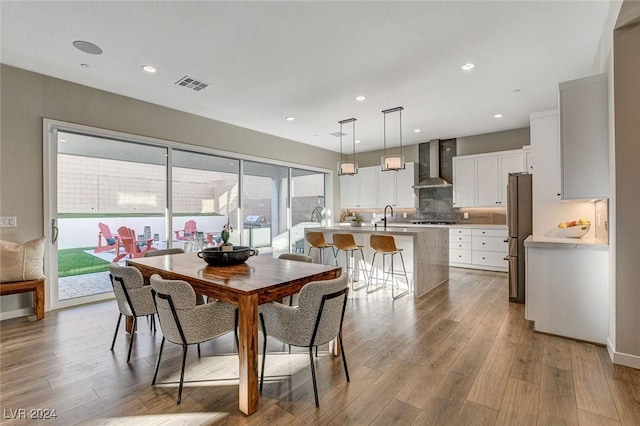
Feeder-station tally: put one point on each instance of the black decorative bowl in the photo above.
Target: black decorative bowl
(216, 257)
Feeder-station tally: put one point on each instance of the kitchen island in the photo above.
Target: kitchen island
(425, 251)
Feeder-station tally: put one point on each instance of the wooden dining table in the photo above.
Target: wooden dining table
(261, 279)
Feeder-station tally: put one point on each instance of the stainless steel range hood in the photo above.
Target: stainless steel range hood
(434, 180)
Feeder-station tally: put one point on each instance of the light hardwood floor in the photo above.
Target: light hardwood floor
(460, 355)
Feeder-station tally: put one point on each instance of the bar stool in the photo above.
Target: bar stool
(347, 243)
(316, 240)
(386, 245)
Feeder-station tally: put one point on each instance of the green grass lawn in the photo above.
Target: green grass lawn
(76, 262)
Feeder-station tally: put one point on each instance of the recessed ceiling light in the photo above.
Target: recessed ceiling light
(357, 140)
(149, 68)
(360, 98)
(416, 130)
(84, 65)
(517, 90)
(497, 116)
(87, 47)
(289, 118)
(468, 66)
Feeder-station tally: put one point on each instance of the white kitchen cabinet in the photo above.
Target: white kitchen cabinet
(396, 188)
(490, 177)
(584, 138)
(567, 289)
(386, 188)
(487, 181)
(489, 247)
(406, 196)
(528, 158)
(478, 248)
(464, 181)
(460, 247)
(512, 162)
(360, 190)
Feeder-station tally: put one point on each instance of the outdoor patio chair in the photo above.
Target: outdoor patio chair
(316, 321)
(133, 297)
(111, 242)
(188, 232)
(130, 245)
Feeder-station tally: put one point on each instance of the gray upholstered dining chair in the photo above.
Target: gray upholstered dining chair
(315, 321)
(184, 323)
(296, 258)
(168, 251)
(162, 252)
(133, 297)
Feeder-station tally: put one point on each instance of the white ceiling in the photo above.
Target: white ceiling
(269, 60)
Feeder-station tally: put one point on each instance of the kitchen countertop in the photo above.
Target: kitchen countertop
(370, 229)
(565, 243)
(411, 225)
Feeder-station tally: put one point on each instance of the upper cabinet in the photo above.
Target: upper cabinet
(372, 188)
(481, 180)
(405, 194)
(464, 181)
(584, 138)
(360, 190)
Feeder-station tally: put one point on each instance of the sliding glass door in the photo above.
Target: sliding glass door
(205, 192)
(103, 185)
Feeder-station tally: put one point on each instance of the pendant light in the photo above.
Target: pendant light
(393, 162)
(346, 167)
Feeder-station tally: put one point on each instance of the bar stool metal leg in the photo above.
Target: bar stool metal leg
(405, 277)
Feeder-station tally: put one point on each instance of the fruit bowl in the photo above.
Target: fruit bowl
(577, 231)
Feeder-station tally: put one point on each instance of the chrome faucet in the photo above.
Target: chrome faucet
(384, 218)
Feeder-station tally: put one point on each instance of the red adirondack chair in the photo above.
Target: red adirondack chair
(188, 232)
(130, 244)
(111, 242)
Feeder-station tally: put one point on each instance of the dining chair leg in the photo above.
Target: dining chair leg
(116, 333)
(155, 373)
(313, 376)
(184, 361)
(344, 358)
(132, 337)
(264, 350)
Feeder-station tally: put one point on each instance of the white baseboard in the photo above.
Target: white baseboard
(16, 314)
(620, 358)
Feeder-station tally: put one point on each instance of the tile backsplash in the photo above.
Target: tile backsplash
(492, 216)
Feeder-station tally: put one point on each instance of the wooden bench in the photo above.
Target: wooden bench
(37, 286)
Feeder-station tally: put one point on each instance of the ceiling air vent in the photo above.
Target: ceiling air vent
(192, 83)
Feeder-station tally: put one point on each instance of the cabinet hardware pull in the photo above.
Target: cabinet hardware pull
(506, 258)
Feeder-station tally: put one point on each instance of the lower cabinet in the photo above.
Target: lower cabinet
(567, 291)
(479, 248)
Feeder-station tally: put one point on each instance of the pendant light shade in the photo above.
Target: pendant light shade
(392, 162)
(346, 167)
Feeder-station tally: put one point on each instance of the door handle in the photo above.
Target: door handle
(506, 258)
(54, 231)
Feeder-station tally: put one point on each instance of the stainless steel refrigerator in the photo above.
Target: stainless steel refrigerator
(519, 220)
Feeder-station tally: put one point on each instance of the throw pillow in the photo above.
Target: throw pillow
(22, 262)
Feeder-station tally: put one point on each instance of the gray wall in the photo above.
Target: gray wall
(491, 142)
(26, 98)
(627, 158)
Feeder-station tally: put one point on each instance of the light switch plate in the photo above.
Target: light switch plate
(8, 222)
